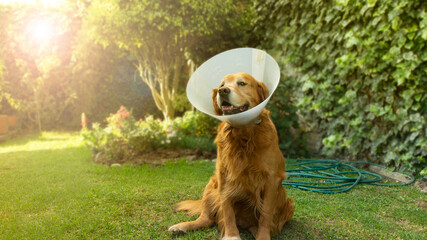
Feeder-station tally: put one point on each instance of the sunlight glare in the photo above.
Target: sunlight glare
(41, 31)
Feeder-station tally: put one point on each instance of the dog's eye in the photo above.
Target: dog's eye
(241, 83)
(222, 85)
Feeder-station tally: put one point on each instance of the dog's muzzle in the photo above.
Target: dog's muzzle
(224, 102)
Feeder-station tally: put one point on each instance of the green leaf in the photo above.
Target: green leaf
(308, 85)
(390, 156)
(416, 117)
(342, 2)
(372, 3)
(424, 34)
(413, 28)
(395, 23)
(395, 13)
(373, 108)
(416, 107)
(411, 36)
(407, 94)
(413, 136)
(410, 56)
(401, 75)
(364, 9)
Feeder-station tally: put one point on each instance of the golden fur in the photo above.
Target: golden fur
(246, 189)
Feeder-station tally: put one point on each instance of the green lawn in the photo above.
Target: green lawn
(50, 189)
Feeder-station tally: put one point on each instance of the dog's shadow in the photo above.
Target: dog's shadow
(298, 229)
(294, 229)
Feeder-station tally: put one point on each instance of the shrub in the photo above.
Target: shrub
(125, 138)
(284, 115)
(361, 73)
(195, 123)
(115, 140)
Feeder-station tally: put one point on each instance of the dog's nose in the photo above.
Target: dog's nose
(224, 91)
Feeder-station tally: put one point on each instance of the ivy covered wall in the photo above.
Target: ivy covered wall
(359, 71)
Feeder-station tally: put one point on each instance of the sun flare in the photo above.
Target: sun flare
(41, 31)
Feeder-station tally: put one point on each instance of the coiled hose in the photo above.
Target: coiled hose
(331, 176)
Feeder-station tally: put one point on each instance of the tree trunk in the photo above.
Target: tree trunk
(163, 91)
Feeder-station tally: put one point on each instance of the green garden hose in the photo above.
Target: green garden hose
(331, 176)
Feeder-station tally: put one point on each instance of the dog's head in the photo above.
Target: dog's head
(238, 93)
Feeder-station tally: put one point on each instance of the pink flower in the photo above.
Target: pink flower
(123, 113)
(121, 109)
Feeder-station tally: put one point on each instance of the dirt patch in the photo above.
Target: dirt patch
(422, 185)
(408, 225)
(422, 204)
(157, 157)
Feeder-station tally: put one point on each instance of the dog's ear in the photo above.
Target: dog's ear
(217, 109)
(262, 91)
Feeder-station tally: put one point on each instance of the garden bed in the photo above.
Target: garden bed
(125, 140)
(157, 157)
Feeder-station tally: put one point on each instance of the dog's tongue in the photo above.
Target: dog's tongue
(233, 109)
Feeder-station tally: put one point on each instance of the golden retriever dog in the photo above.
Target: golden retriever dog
(245, 191)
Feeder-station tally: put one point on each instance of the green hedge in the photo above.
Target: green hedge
(361, 73)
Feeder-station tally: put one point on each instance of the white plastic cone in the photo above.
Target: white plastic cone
(208, 76)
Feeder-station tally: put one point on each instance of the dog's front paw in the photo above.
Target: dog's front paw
(176, 229)
(231, 238)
